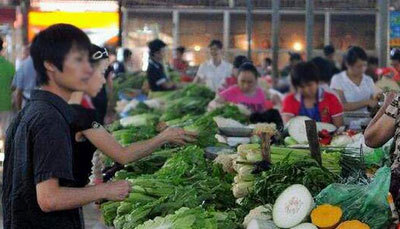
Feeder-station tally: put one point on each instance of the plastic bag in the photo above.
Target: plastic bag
(366, 203)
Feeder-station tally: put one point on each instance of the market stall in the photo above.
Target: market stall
(243, 175)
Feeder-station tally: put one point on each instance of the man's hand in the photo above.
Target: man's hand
(178, 136)
(117, 190)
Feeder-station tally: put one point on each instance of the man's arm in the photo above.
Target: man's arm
(18, 99)
(52, 197)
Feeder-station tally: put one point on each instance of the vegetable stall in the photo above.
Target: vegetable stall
(244, 175)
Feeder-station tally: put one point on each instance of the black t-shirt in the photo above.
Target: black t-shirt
(156, 75)
(38, 148)
(82, 150)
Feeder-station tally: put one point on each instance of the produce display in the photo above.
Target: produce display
(270, 184)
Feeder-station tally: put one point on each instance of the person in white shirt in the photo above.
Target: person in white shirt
(355, 89)
(214, 71)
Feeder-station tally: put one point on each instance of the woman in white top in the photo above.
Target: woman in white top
(355, 89)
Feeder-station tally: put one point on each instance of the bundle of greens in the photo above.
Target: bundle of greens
(196, 218)
(194, 90)
(147, 165)
(185, 180)
(134, 134)
(273, 182)
(126, 82)
(183, 106)
(206, 127)
(141, 108)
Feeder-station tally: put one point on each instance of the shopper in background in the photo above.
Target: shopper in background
(310, 99)
(372, 68)
(24, 82)
(283, 83)
(325, 72)
(158, 80)
(7, 72)
(266, 67)
(355, 89)
(38, 162)
(24, 55)
(213, 72)
(123, 64)
(181, 65)
(232, 80)
(294, 58)
(329, 53)
(246, 92)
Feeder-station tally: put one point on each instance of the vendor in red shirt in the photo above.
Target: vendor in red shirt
(311, 100)
(181, 65)
(233, 79)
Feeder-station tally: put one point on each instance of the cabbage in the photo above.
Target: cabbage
(254, 157)
(244, 149)
(242, 189)
(245, 178)
(263, 212)
(246, 170)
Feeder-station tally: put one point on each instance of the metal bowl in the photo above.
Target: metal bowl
(236, 131)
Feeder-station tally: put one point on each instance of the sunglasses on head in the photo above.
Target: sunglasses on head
(100, 54)
(394, 51)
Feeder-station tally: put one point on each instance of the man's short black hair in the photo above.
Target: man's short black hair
(268, 61)
(395, 54)
(127, 53)
(249, 67)
(295, 56)
(216, 43)
(303, 73)
(373, 60)
(329, 50)
(181, 49)
(53, 44)
(324, 68)
(1, 44)
(155, 46)
(354, 54)
(239, 60)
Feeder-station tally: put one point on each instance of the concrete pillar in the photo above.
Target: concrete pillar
(275, 24)
(125, 29)
(249, 27)
(227, 29)
(309, 28)
(383, 51)
(327, 29)
(175, 29)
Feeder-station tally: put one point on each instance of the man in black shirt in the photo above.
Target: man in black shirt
(38, 152)
(156, 76)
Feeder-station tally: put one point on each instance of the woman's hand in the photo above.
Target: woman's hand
(389, 97)
(178, 136)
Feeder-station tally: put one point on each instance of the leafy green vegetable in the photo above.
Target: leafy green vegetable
(206, 127)
(271, 183)
(185, 180)
(196, 218)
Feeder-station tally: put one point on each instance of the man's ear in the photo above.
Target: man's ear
(50, 67)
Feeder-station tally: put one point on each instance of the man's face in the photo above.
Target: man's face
(396, 64)
(215, 52)
(76, 71)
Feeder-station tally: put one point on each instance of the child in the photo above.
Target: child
(310, 99)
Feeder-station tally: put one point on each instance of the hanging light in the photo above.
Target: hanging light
(297, 46)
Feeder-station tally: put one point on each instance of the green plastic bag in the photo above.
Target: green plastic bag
(366, 203)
